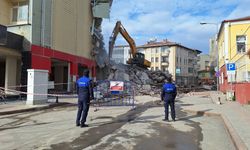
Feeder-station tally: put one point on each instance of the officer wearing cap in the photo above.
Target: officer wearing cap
(168, 96)
(85, 93)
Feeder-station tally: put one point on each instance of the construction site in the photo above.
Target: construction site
(148, 83)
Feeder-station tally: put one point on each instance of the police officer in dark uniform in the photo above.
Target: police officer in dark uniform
(85, 93)
(168, 96)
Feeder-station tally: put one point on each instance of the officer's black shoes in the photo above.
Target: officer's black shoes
(77, 124)
(165, 120)
(84, 125)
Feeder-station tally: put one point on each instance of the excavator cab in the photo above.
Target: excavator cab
(138, 59)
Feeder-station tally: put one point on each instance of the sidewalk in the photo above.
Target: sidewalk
(20, 106)
(235, 116)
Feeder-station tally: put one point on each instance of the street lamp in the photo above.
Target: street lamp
(216, 47)
(203, 23)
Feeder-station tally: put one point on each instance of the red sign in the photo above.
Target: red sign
(116, 86)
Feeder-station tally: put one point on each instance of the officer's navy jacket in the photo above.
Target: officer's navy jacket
(168, 92)
(84, 88)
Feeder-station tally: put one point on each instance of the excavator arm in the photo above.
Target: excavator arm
(120, 29)
(137, 58)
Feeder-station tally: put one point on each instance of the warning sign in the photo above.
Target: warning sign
(116, 86)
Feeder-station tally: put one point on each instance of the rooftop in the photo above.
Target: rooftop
(247, 18)
(165, 42)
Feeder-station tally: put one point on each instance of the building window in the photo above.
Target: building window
(246, 75)
(164, 49)
(164, 59)
(206, 63)
(164, 68)
(20, 12)
(241, 43)
(152, 68)
(156, 50)
(152, 59)
(156, 59)
(190, 70)
(157, 68)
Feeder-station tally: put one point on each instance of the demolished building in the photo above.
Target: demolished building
(100, 9)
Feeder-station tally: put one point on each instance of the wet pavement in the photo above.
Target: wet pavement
(114, 128)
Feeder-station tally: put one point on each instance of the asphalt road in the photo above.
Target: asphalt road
(113, 128)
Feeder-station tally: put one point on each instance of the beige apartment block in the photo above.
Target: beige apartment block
(213, 53)
(175, 58)
(203, 62)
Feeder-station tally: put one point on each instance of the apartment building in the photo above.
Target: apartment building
(57, 36)
(121, 54)
(205, 71)
(178, 60)
(233, 39)
(203, 62)
(213, 53)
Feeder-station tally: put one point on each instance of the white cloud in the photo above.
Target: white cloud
(177, 20)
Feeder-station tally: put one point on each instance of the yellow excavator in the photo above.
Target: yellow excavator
(135, 57)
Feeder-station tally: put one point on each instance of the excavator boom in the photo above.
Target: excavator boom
(137, 58)
(120, 29)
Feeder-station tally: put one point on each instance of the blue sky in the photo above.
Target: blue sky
(176, 20)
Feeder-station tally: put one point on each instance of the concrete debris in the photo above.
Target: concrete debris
(146, 82)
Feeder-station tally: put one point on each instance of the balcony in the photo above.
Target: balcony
(23, 30)
(10, 40)
(165, 63)
(101, 8)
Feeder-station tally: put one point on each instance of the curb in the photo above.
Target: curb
(202, 113)
(34, 108)
(239, 144)
(237, 141)
(53, 105)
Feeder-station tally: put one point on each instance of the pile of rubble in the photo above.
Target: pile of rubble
(144, 81)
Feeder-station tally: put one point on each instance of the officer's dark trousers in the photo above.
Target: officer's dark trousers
(83, 108)
(169, 102)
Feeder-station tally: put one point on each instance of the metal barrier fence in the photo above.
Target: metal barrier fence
(103, 96)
